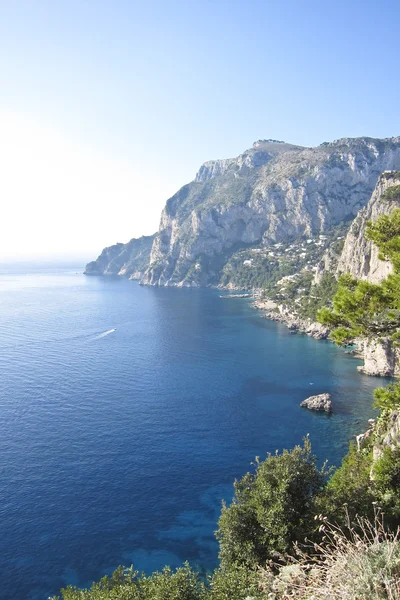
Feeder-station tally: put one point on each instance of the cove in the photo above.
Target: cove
(128, 411)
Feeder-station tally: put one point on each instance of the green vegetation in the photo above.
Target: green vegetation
(243, 276)
(349, 491)
(318, 296)
(127, 584)
(274, 510)
(392, 193)
(363, 309)
(264, 266)
(271, 508)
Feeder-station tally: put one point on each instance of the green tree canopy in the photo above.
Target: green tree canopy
(363, 309)
(271, 508)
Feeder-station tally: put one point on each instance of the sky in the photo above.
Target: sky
(108, 107)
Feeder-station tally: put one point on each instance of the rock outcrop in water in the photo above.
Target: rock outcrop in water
(321, 402)
(274, 191)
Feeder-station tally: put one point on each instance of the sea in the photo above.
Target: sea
(127, 412)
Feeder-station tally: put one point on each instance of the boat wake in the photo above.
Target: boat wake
(104, 334)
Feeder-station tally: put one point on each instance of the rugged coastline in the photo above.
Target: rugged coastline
(271, 195)
(283, 314)
(381, 357)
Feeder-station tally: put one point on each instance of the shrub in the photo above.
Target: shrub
(182, 584)
(236, 583)
(349, 491)
(391, 193)
(271, 508)
(387, 398)
(361, 563)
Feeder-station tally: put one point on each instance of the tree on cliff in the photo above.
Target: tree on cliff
(363, 309)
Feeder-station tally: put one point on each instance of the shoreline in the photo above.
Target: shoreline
(380, 357)
(281, 313)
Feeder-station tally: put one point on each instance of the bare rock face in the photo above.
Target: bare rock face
(321, 402)
(380, 358)
(363, 437)
(387, 436)
(130, 260)
(360, 257)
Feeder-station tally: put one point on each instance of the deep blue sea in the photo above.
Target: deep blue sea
(117, 447)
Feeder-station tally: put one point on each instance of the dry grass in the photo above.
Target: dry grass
(360, 562)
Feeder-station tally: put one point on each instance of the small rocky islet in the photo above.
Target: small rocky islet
(319, 402)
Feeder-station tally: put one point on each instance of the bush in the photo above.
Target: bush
(392, 193)
(236, 583)
(271, 508)
(386, 476)
(349, 491)
(182, 584)
(388, 398)
(361, 563)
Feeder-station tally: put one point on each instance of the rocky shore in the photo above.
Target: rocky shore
(381, 358)
(282, 313)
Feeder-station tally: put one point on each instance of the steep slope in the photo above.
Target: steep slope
(131, 259)
(272, 192)
(359, 256)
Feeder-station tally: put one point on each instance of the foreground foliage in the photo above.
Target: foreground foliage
(271, 508)
(127, 584)
(357, 563)
(275, 509)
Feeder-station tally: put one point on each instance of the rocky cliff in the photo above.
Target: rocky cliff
(272, 192)
(360, 257)
(131, 259)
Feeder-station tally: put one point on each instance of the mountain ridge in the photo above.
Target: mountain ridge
(273, 191)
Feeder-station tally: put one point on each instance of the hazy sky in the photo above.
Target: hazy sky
(108, 107)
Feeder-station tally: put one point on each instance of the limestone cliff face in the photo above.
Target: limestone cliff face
(359, 256)
(380, 357)
(272, 192)
(259, 154)
(387, 435)
(129, 259)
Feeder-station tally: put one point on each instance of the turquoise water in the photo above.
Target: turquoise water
(118, 446)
